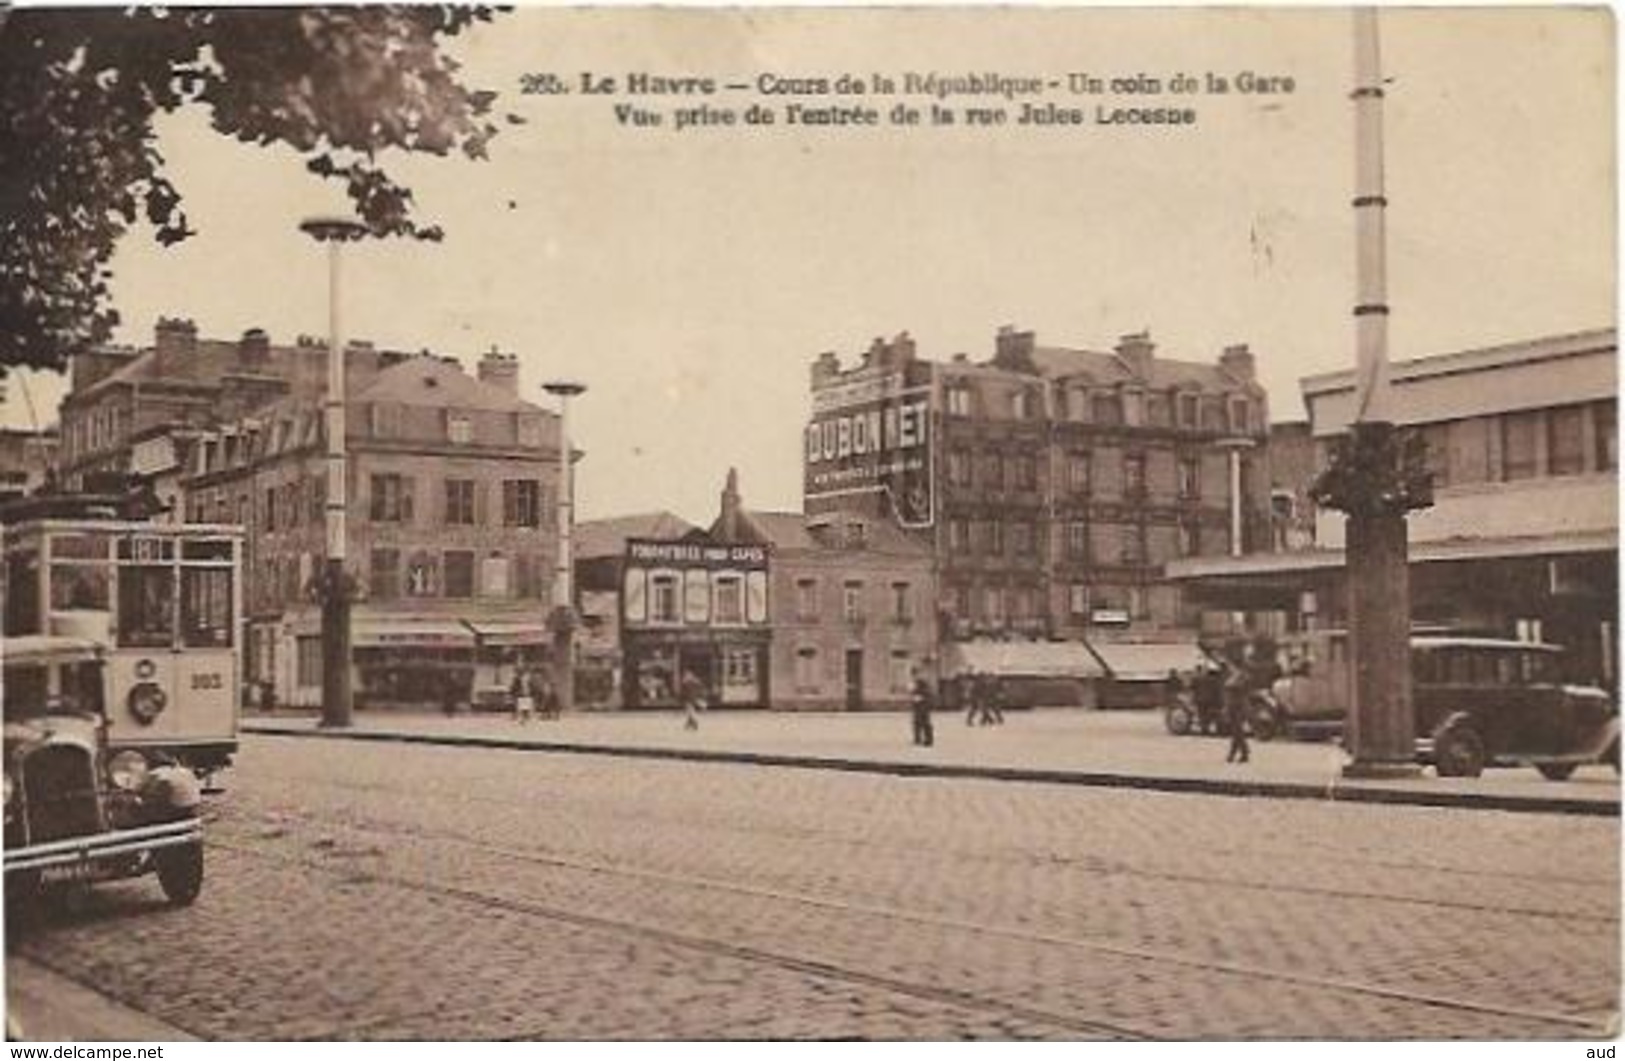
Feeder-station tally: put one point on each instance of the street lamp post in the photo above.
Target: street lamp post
(563, 619)
(334, 587)
(1376, 475)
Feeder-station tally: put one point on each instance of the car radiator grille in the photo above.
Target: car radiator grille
(59, 783)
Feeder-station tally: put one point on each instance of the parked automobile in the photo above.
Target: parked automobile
(1478, 701)
(77, 807)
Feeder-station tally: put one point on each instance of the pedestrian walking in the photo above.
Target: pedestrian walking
(922, 703)
(524, 696)
(993, 703)
(694, 692)
(547, 697)
(1237, 686)
(975, 689)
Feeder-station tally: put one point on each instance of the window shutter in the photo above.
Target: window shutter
(407, 483)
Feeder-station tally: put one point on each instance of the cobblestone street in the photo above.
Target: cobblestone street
(384, 891)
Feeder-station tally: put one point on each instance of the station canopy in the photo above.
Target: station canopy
(1023, 659)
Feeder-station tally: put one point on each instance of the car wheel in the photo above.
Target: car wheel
(1556, 771)
(1178, 720)
(1458, 752)
(180, 872)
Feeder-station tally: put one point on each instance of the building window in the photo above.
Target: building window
(959, 467)
(496, 576)
(269, 522)
(1437, 439)
(1158, 412)
(318, 498)
(730, 599)
(1022, 405)
(459, 573)
(1187, 404)
(1133, 545)
(391, 499)
(1077, 599)
(521, 503)
(386, 420)
(1027, 472)
(1605, 415)
(1240, 414)
(1077, 473)
(420, 580)
(1139, 602)
(663, 598)
(852, 601)
(1077, 404)
(995, 537)
(993, 471)
(1133, 475)
(806, 599)
(1077, 540)
(959, 400)
(857, 535)
(308, 662)
(1107, 409)
(460, 502)
(807, 669)
(459, 428)
(1565, 440)
(902, 604)
(1023, 538)
(384, 582)
(1190, 539)
(993, 604)
(961, 600)
(958, 536)
(1519, 432)
(1190, 477)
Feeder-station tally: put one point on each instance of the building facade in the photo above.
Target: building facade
(1050, 485)
(27, 460)
(452, 493)
(1522, 537)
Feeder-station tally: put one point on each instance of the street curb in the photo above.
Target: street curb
(1239, 787)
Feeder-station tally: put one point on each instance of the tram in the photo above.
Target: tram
(163, 603)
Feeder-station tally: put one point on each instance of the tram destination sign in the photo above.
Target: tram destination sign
(873, 436)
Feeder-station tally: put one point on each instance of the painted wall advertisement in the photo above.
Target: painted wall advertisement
(873, 436)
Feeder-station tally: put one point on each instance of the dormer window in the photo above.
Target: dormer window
(857, 535)
(459, 428)
(959, 400)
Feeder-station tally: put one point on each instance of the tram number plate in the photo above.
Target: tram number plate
(207, 681)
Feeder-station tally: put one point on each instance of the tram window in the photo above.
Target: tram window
(206, 549)
(79, 587)
(205, 607)
(82, 686)
(146, 607)
(23, 612)
(26, 691)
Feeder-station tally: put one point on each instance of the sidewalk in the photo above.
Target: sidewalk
(1066, 746)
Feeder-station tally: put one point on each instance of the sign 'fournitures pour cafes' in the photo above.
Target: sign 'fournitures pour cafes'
(873, 436)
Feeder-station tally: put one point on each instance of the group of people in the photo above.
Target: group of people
(531, 690)
(1222, 693)
(981, 694)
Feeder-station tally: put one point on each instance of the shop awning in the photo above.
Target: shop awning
(495, 634)
(1148, 661)
(1023, 659)
(423, 633)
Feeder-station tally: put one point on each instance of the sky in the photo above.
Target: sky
(690, 278)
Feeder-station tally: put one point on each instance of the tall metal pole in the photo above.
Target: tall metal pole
(1371, 478)
(564, 613)
(335, 588)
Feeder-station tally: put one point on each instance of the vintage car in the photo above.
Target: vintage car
(1479, 702)
(77, 807)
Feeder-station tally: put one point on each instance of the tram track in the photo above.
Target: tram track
(1570, 1024)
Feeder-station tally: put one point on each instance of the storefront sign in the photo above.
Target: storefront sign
(873, 436)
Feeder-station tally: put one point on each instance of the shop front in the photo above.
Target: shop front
(733, 665)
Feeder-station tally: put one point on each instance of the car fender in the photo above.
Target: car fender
(1455, 718)
(176, 786)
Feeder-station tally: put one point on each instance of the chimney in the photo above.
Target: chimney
(1238, 361)
(1137, 351)
(500, 371)
(174, 346)
(825, 368)
(1014, 350)
(254, 350)
(728, 520)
